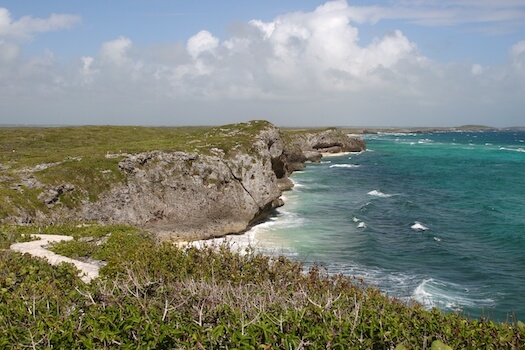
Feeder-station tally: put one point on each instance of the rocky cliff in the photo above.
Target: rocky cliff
(222, 189)
(196, 195)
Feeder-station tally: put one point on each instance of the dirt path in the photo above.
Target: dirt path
(36, 248)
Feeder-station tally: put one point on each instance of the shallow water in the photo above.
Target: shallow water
(437, 217)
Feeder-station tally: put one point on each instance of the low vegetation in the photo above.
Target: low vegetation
(86, 158)
(153, 295)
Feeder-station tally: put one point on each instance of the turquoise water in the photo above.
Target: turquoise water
(437, 217)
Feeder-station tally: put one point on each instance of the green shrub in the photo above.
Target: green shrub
(159, 296)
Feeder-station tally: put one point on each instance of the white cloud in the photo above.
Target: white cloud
(485, 16)
(201, 42)
(9, 52)
(116, 51)
(517, 54)
(299, 68)
(477, 69)
(27, 26)
(87, 72)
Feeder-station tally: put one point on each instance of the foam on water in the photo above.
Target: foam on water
(512, 149)
(417, 226)
(472, 258)
(380, 194)
(445, 295)
(344, 166)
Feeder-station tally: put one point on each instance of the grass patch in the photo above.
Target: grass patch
(32, 146)
(158, 296)
(87, 158)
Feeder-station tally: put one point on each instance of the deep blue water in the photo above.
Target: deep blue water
(437, 217)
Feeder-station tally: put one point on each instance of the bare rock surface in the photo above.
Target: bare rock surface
(223, 189)
(181, 195)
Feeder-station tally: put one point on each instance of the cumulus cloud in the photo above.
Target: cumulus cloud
(115, 51)
(201, 42)
(301, 68)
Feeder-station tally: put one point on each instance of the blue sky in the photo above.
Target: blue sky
(295, 63)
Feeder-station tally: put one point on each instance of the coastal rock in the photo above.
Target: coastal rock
(232, 183)
(192, 196)
(326, 141)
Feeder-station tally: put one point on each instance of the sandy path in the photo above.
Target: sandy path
(36, 248)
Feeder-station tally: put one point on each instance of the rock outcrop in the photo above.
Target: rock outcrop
(314, 144)
(220, 190)
(196, 195)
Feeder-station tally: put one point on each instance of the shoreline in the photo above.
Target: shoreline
(249, 237)
(241, 241)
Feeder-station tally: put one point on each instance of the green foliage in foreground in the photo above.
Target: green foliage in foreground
(159, 296)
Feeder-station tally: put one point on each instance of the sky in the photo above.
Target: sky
(383, 63)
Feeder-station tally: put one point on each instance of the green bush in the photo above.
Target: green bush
(158, 296)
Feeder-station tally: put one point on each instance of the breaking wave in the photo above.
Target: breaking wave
(380, 194)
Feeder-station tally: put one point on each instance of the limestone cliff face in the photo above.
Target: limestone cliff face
(190, 195)
(314, 144)
(234, 182)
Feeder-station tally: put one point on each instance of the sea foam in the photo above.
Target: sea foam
(434, 293)
(417, 226)
(512, 149)
(344, 166)
(377, 193)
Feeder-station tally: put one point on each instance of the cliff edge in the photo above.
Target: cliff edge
(232, 179)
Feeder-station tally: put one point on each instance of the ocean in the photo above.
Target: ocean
(434, 217)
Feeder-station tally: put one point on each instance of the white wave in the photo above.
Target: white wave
(398, 133)
(263, 237)
(326, 161)
(421, 141)
(344, 166)
(354, 219)
(417, 226)
(512, 149)
(427, 291)
(398, 284)
(437, 239)
(361, 225)
(433, 293)
(377, 193)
